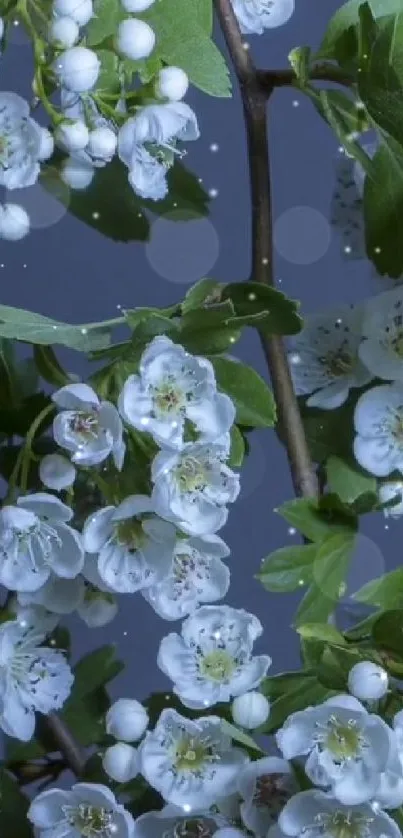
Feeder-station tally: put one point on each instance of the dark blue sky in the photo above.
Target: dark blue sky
(68, 271)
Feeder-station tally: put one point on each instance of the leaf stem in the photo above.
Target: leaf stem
(270, 79)
(254, 98)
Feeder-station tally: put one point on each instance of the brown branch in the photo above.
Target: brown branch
(254, 98)
(66, 743)
(269, 79)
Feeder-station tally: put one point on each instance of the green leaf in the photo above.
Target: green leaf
(183, 42)
(322, 430)
(341, 123)
(205, 291)
(240, 736)
(49, 367)
(108, 79)
(383, 209)
(35, 328)
(299, 58)
(237, 450)
(288, 568)
(331, 563)
(94, 670)
(340, 41)
(324, 632)
(203, 10)
(252, 298)
(314, 607)
(386, 592)
(209, 330)
(297, 691)
(312, 521)
(348, 481)
(13, 808)
(107, 14)
(387, 632)
(380, 81)
(253, 400)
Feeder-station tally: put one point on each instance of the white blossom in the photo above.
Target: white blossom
(64, 32)
(57, 595)
(87, 427)
(212, 659)
(135, 39)
(14, 222)
(81, 11)
(250, 710)
(88, 809)
(175, 389)
(21, 143)
(198, 576)
(378, 422)
(34, 678)
(56, 472)
(97, 608)
(382, 348)
(367, 681)
(392, 490)
(172, 83)
(102, 143)
(265, 786)
(173, 822)
(316, 813)
(77, 174)
(347, 748)
(136, 6)
(120, 762)
(77, 69)
(126, 720)
(192, 487)
(190, 763)
(134, 546)
(324, 358)
(72, 136)
(102, 140)
(36, 541)
(147, 173)
(254, 16)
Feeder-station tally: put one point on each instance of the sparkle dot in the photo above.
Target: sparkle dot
(295, 103)
(214, 147)
(252, 296)
(83, 331)
(386, 526)
(24, 266)
(139, 215)
(347, 249)
(2, 265)
(232, 340)
(265, 261)
(187, 807)
(16, 22)
(200, 179)
(246, 45)
(291, 531)
(125, 634)
(377, 249)
(213, 193)
(95, 215)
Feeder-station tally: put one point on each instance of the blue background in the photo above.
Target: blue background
(68, 271)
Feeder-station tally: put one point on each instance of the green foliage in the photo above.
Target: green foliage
(317, 520)
(341, 38)
(288, 568)
(347, 480)
(277, 314)
(383, 209)
(385, 593)
(290, 692)
(110, 206)
(37, 329)
(253, 400)
(13, 808)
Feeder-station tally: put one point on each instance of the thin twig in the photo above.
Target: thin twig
(269, 79)
(254, 98)
(66, 744)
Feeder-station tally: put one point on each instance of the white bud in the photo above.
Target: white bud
(367, 681)
(250, 710)
(387, 492)
(78, 69)
(135, 39)
(172, 83)
(229, 832)
(46, 145)
(120, 762)
(14, 222)
(98, 609)
(64, 31)
(72, 136)
(127, 720)
(1, 27)
(56, 472)
(136, 5)
(77, 174)
(81, 11)
(102, 143)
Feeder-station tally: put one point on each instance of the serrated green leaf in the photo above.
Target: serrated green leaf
(299, 58)
(324, 632)
(209, 330)
(240, 736)
(299, 691)
(383, 209)
(387, 632)
(251, 298)
(252, 398)
(386, 592)
(380, 80)
(205, 291)
(288, 568)
(312, 521)
(322, 430)
(108, 80)
(331, 564)
(340, 40)
(104, 23)
(28, 326)
(49, 367)
(237, 450)
(94, 670)
(347, 480)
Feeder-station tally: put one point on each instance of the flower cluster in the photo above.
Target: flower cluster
(352, 348)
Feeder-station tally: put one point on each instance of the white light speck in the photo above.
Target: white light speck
(187, 807)
(246, 45)
(291, 531)
(214, 147)
(84, 331)
(95, 215)
(295, 103)
(386, 526)
(265, 260)
(347, 249)
(213, 193)
(252, 297)
(377, 249)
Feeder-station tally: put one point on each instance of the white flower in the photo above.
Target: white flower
(35, 541)
(134, 6)
(127, 720)
(14, 222)
(120, 762)
(347, 749)
(135, 39)
(389, 794)
(172, 83)
(64, 32)
(389, 491)
(316, 813)
(102, 143)
(254, 16)
(324, 358)
(89, 809)
(265, 786)
(97, 608)
(2, 27)
(192, 487)
(229, 832)
(367, 681)
(21, 143)
(212, 660)
(88, 428)
(76, 173)
(72, 136)
(382, 349)
(378, 421)
(57, 472)
(191, 763)
(77, 69)
(175, 389)
(173, 822)
(147, 174)
(198, 576)
(32, 677)
(102, 140)
(80, 11)
(134, 546)
(59, 596)
(250, 710)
